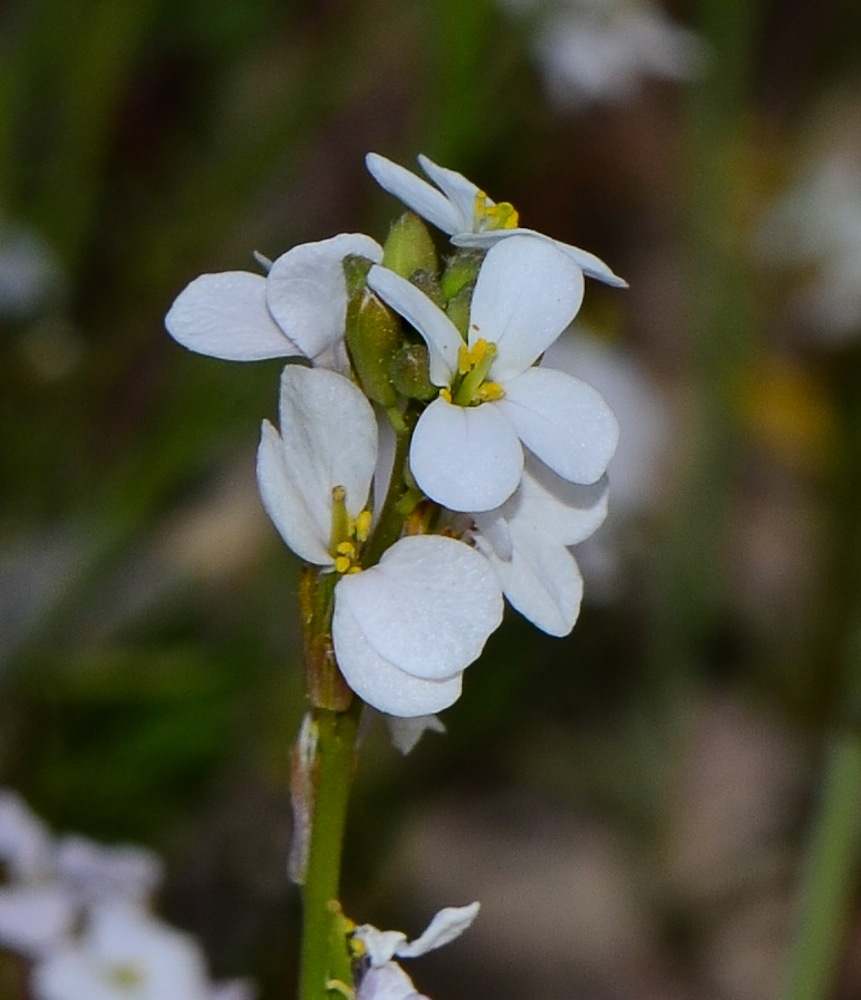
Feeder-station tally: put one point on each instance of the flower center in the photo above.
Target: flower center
(470, 387)
(489, 215)
(126, 977)
(348, 533)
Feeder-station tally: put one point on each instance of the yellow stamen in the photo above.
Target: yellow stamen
(446, 394)
(342, 564)
(489, 215)
(363, 526)
(489, 391)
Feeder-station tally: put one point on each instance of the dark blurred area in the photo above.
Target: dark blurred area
(630, 803)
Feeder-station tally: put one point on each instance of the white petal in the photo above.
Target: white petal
(33, 921)
(306, 290)
(563, 421)
(225, 316)
(567, 512)
(26, 844)
(95, 872)
(285, 504)
(541, 580)
(462, 193)
(588, 263)
(493, 526)
(415, 193)
(427, 607)
(441, 335)
(377, 681)
(526, 294)
(380, 946)
(387, 982)
(467, 458)
(406, 733)
(447, 925)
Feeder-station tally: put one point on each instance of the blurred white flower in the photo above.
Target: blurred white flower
(30, 273)
(467, 450)
(461, 209)
(599, 51)
(404, 629)
(382, 978)
(298, 309)
(815, 230)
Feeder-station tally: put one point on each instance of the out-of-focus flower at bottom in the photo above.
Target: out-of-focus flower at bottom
(382, 978)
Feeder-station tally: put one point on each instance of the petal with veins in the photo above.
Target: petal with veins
(421, 197)
(447, 925)
(225, 316)
(462, 193)
(467, 458)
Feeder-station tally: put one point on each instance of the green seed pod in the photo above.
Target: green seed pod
(373, 336)
(410, 373)
(409, 247)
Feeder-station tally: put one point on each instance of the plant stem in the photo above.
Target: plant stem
(336, 741)
(829, 878)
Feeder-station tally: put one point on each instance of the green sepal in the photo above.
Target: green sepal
(461, 270)
(410, 373)
(373, 337)
(409, 247)
(458, 307)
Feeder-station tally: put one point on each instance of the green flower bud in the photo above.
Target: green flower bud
(460, 270)
(457, 309)
(409, 247)
(373, 336)
(409, 373)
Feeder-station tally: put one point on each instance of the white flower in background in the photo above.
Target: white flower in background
(527, 539)
(461, 209)
(93, 872)
(599, 51)
(383, 978)
(405, 629)
(30, 273)
(124, 954)
(467, 448)
(297, 310)
(816, 228)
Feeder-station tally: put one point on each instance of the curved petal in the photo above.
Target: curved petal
(285, 504)
(307, 293)
(563, 421)
(467, 458)
(567, 512)
(225, 316)
(415, 193)
(387, 982)
(376, 680)
(527, 292)
(446, 925)
(427, 607)
(459, 191)
(541, 580)
(588, 263)
(441, 335)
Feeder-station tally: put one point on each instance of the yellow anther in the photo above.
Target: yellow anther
(445, 394)
(342, 564)
(479, 349)
(363, 526)
(489, 391)
(463, 362)
(346, 549)
(489, 215)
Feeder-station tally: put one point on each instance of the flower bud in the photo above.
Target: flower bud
(409, 247)
(409, 373)
(373, 336)
(460, 272)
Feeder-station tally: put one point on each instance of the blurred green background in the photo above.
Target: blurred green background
(631, 802)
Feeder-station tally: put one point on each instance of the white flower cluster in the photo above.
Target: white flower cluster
(505, 463)
(78, 912)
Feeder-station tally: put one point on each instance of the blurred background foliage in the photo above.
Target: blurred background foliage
(631, 802)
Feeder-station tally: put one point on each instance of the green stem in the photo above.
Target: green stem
(324, 953)
(829, 878)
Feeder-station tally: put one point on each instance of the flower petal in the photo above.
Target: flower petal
(541, 580)
(377, 681)
(307, 293)
(447, 925)
(427, 607)
(387, 982)
(406, 733)
(421, 197)
(588, 263)
(567, 512)
(467, 458)
(462, 193)
(285, 504)
(225, 316)
(441, 335)
(563, 421)
(526, 294)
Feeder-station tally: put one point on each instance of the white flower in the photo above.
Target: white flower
(527, 539)
(384, 979)
(124, 954)
(406, 628)
(26, 845)
(93, 872)
(461, 209)
(298, 309)
(406, 733)
(466, 450)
